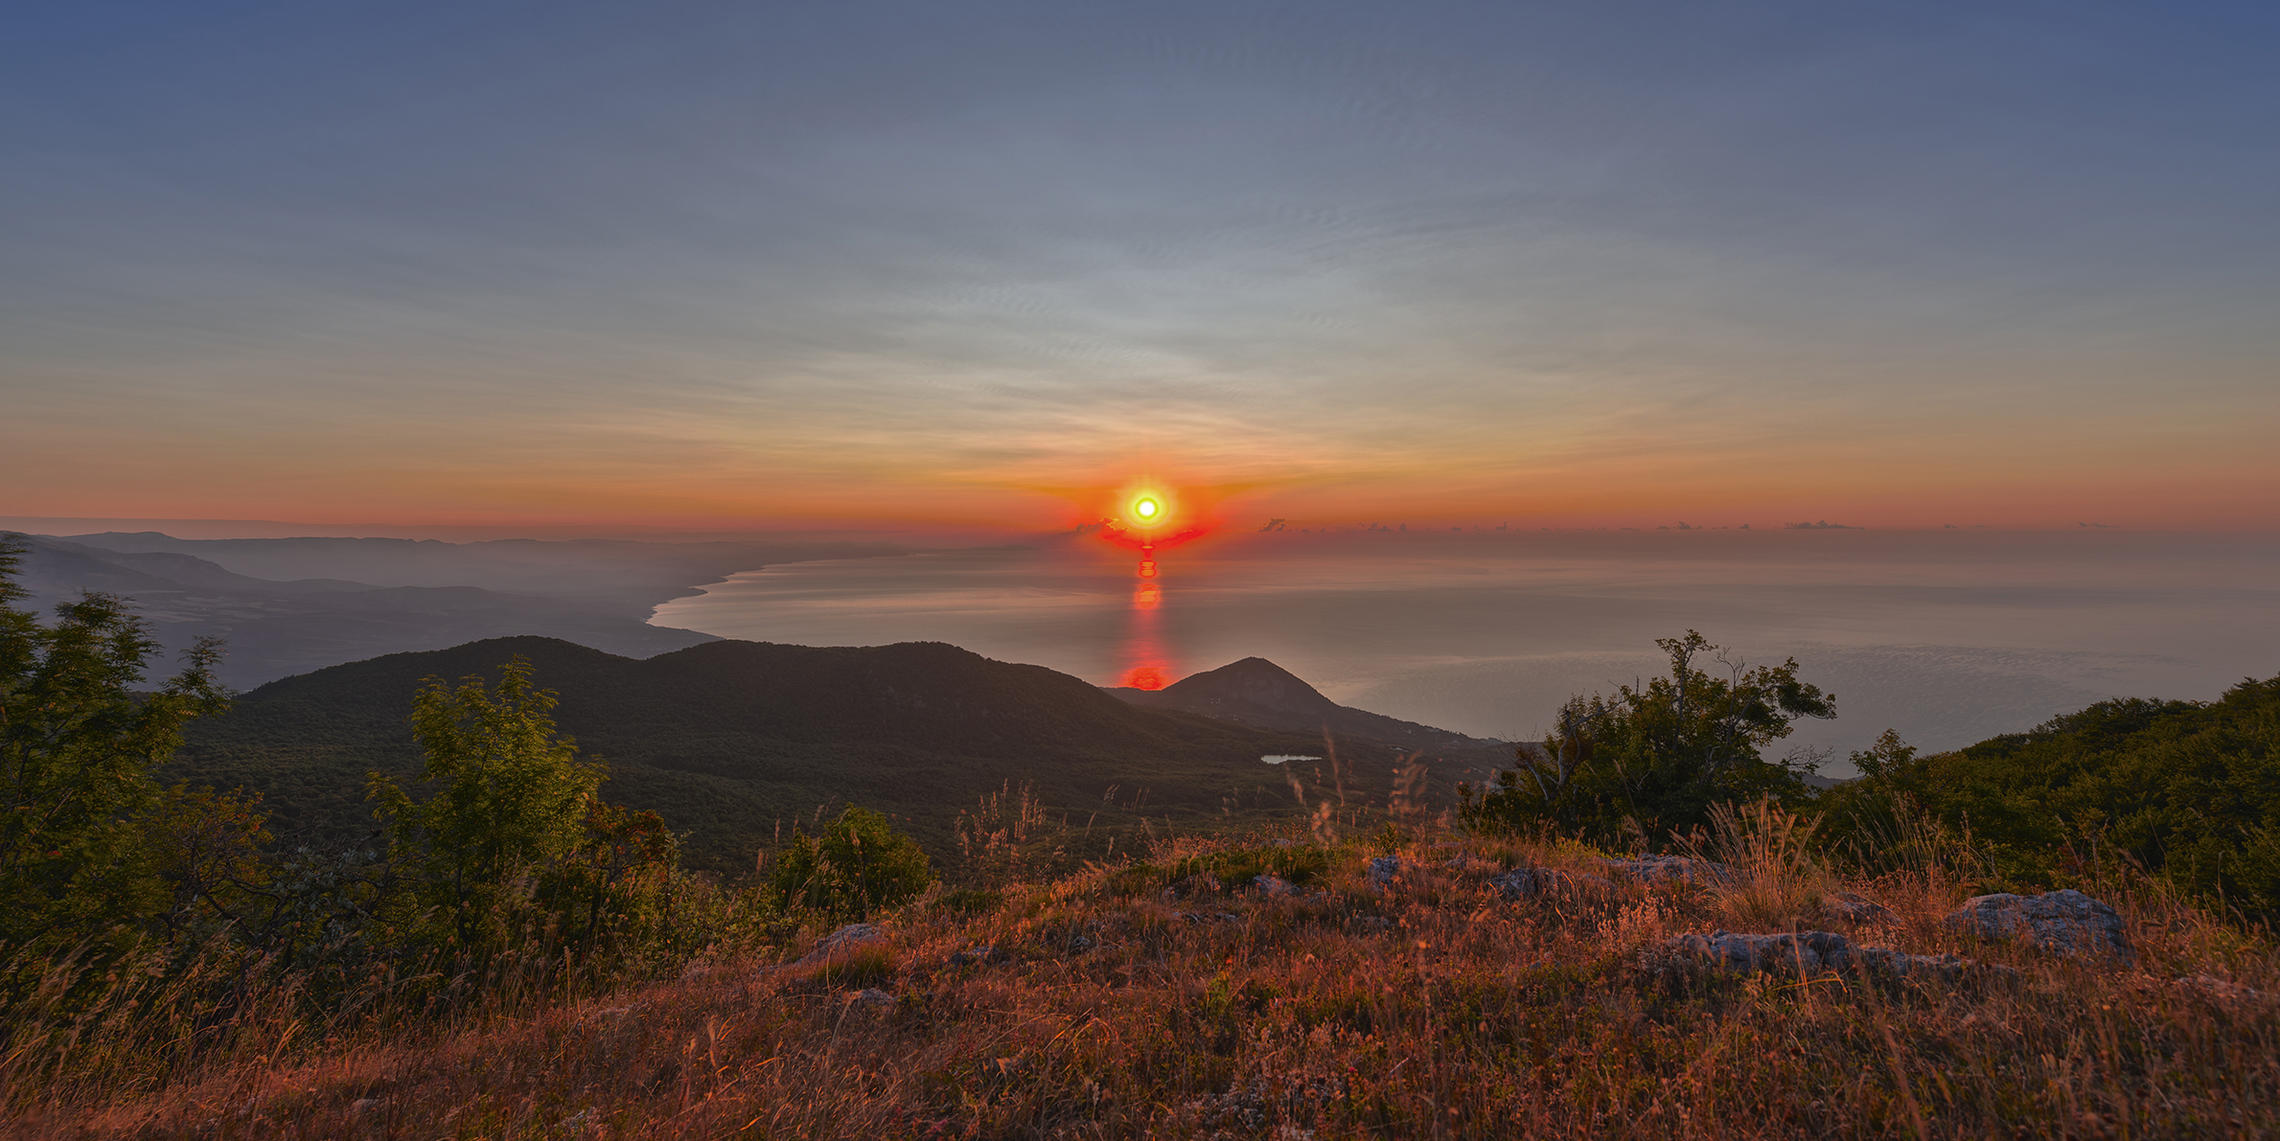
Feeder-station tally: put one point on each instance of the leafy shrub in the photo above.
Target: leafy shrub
(89, 858)
(858, 865)
(1650, 763)
(2187, 789)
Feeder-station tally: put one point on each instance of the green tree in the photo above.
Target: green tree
(511, 800)
(858, 865)
(78, 741)
(1651, 761)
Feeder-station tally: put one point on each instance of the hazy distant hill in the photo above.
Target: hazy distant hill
(1255, 691)
(275, 628)
(727, 738)
(622, 576)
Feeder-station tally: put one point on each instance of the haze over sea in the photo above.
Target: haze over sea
(1949, 636)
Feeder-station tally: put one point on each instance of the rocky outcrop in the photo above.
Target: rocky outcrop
(2216, 989)
(1810, 953)
(1531, 883)
(1384, 870)
(980, 954)
(1855, 908)
(2067, 921)
(846, 938)
(1657, 870)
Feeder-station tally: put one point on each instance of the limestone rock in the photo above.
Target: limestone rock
(2066, 921)
(1674, 869)
(873, 999)
(1273, 885)
(1529, 883)
(1807, 952)
(2218, 989)
(1810, 953)
(979, 953)
(1385, 869)
(848, 937)
(1855, 908)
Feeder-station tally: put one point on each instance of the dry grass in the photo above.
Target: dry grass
(1165, 998)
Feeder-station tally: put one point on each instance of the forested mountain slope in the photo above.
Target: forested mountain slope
(727, 739)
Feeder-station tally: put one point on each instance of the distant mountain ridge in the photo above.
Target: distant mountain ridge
(729, 739)
(271, 628)
(1257, 692)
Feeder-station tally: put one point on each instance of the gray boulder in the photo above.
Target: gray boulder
(2065, 921)
(1809, 953)
(1674, 869)
(1805, 952)
(1854, 908)
(846, 938)
(1273, 885)
(873, 999)
(979, 954)
(1385, 869)
(1530, 883)
(2218, 989)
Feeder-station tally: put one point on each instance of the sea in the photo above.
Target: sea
(1946, 636)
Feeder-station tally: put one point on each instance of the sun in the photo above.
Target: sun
(1146, 507)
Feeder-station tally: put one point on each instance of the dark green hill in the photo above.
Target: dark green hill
(727, 739)
(2189, 789)
(1261, 694)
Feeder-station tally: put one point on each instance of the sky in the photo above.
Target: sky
(712, 265)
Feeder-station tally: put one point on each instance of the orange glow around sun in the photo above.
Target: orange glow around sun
(1148, 514)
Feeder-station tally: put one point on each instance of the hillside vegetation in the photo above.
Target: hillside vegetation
(1648, 926)
(1171, 995)
(2188, 789)
(731, 742)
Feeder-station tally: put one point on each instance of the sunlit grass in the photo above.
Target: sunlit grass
(1161, 995)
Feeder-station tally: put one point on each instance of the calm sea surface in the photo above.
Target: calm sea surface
(1947, 636)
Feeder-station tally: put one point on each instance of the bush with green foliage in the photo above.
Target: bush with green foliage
(513, 841)
(2188, 789)
(94, 853)
(858, 865)
(1652, 761)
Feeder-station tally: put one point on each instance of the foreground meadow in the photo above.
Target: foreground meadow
(1341, 995)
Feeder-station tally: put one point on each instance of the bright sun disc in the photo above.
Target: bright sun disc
(1146, 508)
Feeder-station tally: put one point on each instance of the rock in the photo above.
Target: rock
(1674, 869)
(1885, 961)
(980, 953)
(872, 998)
(1211, 917)
(1528, 883)
(850, 936)
(1273, 885)
(2066, 921)
(2217, 988)
(1385, 869)
(363, 1105)
(1811, 953)
(1854, 908)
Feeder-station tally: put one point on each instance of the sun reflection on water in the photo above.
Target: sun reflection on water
(1146, 665)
